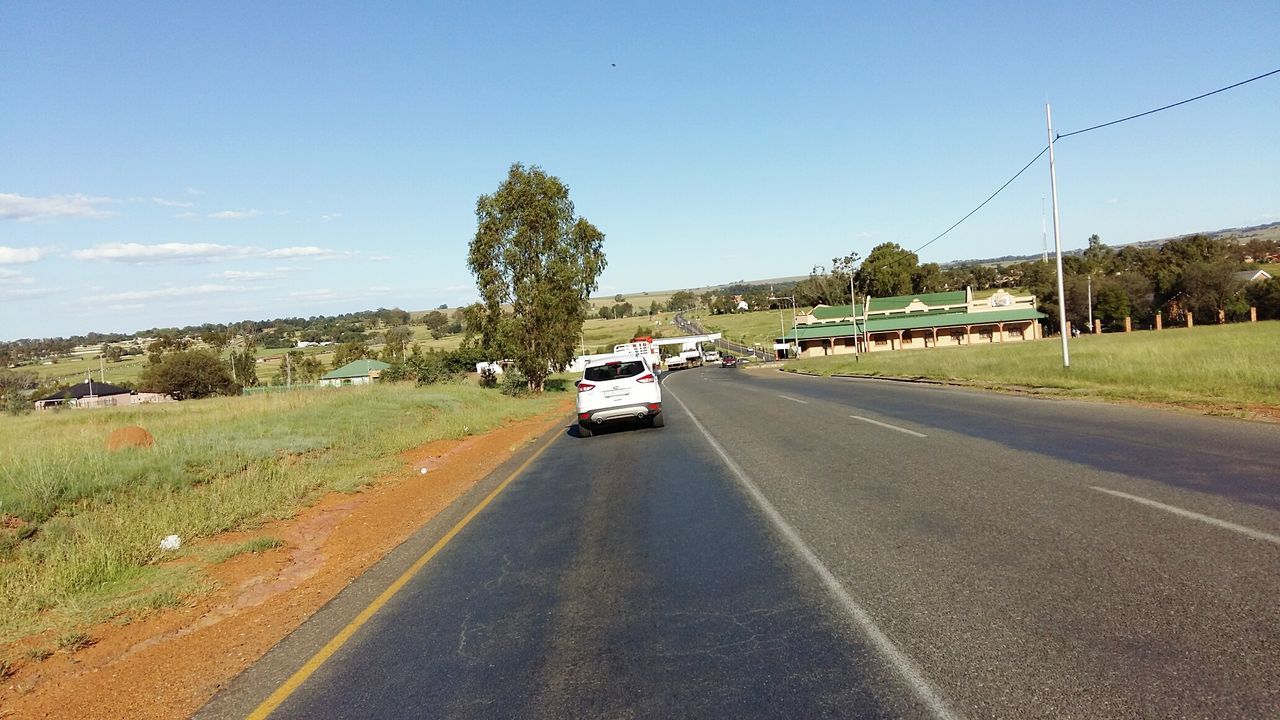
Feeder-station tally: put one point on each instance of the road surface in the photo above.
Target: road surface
(794, 547)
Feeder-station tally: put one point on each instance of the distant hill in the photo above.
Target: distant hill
(1270, 231)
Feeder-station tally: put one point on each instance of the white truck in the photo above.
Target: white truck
(643, 348)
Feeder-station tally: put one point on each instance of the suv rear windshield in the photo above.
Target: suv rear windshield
(614, 371)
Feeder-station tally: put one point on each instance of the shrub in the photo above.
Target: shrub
(514, 383)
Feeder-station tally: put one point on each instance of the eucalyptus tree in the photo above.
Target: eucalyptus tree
(535, 263)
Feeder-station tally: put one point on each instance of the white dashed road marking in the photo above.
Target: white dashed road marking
(1255, 534)
(900, 661)
(887, 425)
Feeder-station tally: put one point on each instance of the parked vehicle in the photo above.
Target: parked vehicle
(618, 388)
(711, 356)
(677, 362)
(728, 361)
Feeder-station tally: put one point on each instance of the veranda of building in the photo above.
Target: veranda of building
(907, 322)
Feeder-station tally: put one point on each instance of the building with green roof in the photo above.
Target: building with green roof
(906, 322)
(356, 372)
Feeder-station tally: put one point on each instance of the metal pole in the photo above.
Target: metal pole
(1090, 302)
(795, 335)
(1057, 243)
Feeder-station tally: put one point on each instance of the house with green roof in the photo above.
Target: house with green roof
(907, 322)
(356, 372)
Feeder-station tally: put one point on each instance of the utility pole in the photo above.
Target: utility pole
(794, 333)
(288, 368)
(102, 370)
(1090, 286)
(1057, 242)
(853, 314)
(1044, 235)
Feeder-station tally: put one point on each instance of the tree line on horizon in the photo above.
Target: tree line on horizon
(1193, 274)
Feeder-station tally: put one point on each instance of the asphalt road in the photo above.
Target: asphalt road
(799, 547)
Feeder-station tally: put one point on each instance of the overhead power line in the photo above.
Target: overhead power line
(1059, 136)
(984, 202)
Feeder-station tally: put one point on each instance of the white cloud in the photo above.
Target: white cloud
(139, 253)
(171, 292)
(316, 295)
(13, 256)
(14, 277)
(238, 275)
(194, 191)
(235, 214)
(1112, 201)
(26, 292)
(330, 295)
(199, 252)
(172, 203)
(330, 217)
(21, 207)
(309, 251)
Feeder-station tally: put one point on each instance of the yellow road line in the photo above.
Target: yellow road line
(295, 681)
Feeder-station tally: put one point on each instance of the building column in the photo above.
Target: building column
(935, 337)
(968, 334)
(1000, 329)
(899, 341)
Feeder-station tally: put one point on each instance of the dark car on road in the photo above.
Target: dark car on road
(728, 361)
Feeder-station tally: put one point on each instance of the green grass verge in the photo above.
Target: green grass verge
(1219, 364)
(748, 328)
(81, 526)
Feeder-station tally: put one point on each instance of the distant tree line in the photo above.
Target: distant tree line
(1195, 274)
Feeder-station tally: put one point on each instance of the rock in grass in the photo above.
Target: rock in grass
(130, 436)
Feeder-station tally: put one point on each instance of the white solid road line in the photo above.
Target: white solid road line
(887, 425)
(905, 666)
(797, 400)
(1255, 534)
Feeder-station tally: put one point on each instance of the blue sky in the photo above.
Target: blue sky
(177, 163)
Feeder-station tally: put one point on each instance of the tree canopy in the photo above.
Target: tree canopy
(188, 375)
(532, 254)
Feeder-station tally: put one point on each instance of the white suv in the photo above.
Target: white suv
(617, 388)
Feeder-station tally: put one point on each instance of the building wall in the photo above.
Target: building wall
(982, 334)
(338, 382)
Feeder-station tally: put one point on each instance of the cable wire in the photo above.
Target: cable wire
(1059, 136)
(984, 202)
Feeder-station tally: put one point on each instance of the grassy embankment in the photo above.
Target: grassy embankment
(80, 526)
(748, 328)
(1232, 365)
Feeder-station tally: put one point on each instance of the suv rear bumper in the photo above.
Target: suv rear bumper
(638, 411)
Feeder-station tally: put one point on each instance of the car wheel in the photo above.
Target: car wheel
(584, 431)
(657, 421)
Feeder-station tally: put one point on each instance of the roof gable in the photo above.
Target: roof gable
(88, 388)
(356, 368)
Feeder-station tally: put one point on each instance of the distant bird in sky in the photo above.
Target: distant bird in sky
(613, 64)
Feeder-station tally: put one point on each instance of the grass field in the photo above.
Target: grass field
(597, 332)
(80, 526)
(1212, 364)
(747, 328)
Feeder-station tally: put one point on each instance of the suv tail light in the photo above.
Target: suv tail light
(646, 378)
(584, 386)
